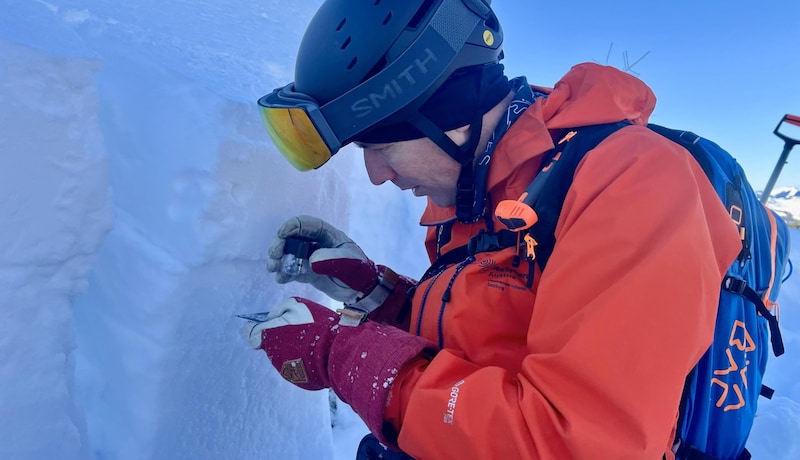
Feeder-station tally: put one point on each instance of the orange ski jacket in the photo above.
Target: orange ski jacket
(590, 362)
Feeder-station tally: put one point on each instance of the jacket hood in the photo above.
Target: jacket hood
(588, 94)
(591, 94)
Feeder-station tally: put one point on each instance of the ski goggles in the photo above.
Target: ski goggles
(298, 128)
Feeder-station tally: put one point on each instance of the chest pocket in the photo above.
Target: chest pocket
(480, 306)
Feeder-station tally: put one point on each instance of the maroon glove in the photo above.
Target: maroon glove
(309, 346)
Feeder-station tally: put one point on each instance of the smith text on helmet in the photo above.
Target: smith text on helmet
(394, 87)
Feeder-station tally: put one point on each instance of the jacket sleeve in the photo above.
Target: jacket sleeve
(622, 313)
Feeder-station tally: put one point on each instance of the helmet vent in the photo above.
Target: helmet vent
(346, 43)
(352, 63)
(388, 18)
(341, 24)
(423, 10)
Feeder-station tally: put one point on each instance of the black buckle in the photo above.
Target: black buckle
(465, 203)
(735, 285)
(483, 242)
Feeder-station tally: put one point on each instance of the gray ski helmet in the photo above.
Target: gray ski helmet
(382, 59)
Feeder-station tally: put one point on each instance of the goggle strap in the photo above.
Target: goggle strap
(435, 51)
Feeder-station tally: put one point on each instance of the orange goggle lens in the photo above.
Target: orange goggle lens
(296, 137)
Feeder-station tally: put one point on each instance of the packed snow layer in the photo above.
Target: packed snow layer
(55, 209)
(182, 190)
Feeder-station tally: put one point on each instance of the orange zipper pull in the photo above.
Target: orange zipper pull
(531, 244)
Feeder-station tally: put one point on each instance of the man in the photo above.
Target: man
(487, 356)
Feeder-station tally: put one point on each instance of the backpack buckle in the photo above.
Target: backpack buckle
(735, 285)
(483, 242)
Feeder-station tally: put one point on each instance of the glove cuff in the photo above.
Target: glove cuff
(362, 365)
(396, 308)
(356, 313)
(379, 294)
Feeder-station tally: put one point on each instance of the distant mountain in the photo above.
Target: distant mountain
(786, 202)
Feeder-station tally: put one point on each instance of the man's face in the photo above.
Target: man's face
(418, 165)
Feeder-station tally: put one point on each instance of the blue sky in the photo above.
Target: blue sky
(727, 70)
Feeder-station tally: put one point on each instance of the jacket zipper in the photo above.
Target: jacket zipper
(446, 298)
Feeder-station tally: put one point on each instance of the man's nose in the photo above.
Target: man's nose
(378, 168)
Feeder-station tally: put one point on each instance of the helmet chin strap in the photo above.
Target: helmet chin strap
(466, 197)
(470, 203)
(468, 210)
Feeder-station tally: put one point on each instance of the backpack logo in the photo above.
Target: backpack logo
(743, 343)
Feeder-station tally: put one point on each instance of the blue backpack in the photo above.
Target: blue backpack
(720, 394)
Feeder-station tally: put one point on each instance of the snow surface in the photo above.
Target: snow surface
(138, 195)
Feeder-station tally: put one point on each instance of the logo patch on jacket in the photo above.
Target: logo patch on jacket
(501, 277)
(487, 263)
(294, 371)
